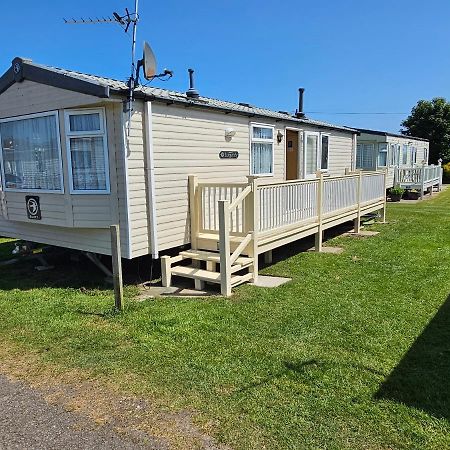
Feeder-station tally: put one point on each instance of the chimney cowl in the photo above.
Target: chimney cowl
(192, 92)
(299, 113)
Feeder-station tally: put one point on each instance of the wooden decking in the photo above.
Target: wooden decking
(233, 223)
(421, 178)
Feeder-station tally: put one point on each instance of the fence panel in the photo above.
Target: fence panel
(372, 187)
(286, 204)
(210, 194)
(339, 193)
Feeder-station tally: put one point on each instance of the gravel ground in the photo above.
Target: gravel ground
(27, 421)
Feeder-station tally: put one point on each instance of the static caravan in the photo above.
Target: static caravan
(404, 158)
(230, 179)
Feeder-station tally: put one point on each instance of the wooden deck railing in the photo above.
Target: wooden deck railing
(260, 216)
(419, 177)
(286, 203)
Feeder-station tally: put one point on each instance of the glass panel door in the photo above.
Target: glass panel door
(311, 154)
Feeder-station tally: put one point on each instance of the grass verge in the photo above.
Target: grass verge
(353, 353)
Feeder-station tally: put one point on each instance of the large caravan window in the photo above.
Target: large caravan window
(365, 158)
(261, 150)
(87, 151)
(31, 153)
(395, 155)
(382, 154)
(405, 154)
(392, 155)
(413, 155)
(425, 155)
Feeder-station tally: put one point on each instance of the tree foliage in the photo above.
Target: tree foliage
(431, 120)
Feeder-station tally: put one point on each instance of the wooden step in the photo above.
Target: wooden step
(236, 280)
(206, 275)
(196, 274)
(238, 267)
(215, 237)
(203, 255)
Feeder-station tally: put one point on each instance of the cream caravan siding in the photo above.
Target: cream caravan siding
(421, 146)
(137, 184)
(79, 221)
(340, 152)
(375, 139)
(187, 142)
(29, 97)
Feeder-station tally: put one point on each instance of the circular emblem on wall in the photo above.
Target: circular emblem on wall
(16, 67)
(32, 206)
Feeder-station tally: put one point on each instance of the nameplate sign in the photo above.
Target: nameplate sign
(227, 154)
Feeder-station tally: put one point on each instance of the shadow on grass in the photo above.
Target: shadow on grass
(6, 249)
(310, 369)
(422, 378)
(303, 245)
(70, 269)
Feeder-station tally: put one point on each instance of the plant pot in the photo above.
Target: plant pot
(413, 195)
(396, 197)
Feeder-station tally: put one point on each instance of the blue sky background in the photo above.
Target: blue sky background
(350, 55)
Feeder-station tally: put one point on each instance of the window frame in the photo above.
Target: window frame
(319, 156)
(55, 114)
(305, 146)
(261, 141)
(78, 134)
(386, 151)
(404, 154)
(319, 168)
(373, 152)
(413, 155)
(391, 155)
(396, 154)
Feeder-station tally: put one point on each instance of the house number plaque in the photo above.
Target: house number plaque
(227, 154)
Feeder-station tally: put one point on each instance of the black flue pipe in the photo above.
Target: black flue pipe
(300, 112)
(192, 92)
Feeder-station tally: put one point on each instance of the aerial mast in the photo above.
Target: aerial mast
(148, 62)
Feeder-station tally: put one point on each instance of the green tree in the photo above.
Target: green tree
(431, 120)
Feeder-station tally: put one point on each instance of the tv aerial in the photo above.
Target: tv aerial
(148, 61)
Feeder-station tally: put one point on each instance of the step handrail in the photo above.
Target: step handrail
(227, 259)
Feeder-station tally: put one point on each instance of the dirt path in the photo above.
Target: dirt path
(43, 407)
(28, 421)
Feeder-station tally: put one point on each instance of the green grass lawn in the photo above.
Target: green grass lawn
(353, 353)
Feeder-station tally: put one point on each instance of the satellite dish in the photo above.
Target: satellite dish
(149, 62)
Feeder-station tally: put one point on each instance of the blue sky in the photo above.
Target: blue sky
(350, 55)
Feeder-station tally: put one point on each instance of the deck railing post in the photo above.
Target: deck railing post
(224, 247)
(357, 222)
(117, 267)
(319, 234)
(253, 209)
(422, 181)
(194, 209)
(383, 217)
(440, 174)
(166, 273)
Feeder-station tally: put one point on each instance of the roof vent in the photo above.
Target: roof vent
(247, 105)
(192, 92)
(283, 112)
(299, 113)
